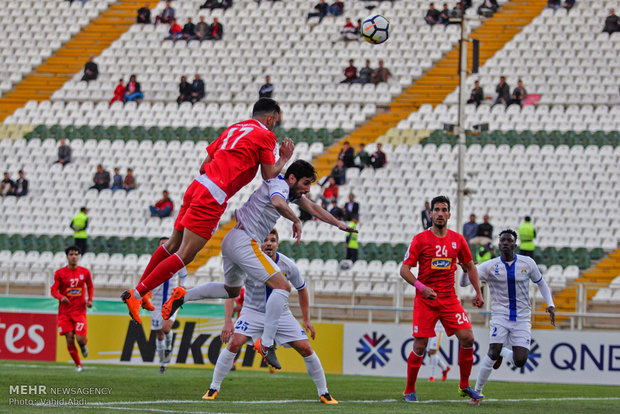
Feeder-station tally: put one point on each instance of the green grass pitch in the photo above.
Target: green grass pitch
(142, 389)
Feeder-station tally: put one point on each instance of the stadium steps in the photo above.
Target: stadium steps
(70, 59)
(566, 300)
(442, 79)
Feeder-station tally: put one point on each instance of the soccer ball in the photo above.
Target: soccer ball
(375, 29)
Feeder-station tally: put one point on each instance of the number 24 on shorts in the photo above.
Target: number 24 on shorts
(461, 318)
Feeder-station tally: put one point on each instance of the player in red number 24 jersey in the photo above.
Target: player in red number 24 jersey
(437, 250)
(231, 163)
(69, 284)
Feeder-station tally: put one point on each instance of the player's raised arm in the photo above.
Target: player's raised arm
(227, 330)
(285, 211)
(472, 273)
(304, 304)
(269, 171)
(407, 274)
(323, 215)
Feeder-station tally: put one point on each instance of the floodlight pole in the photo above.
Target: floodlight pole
(461, 125)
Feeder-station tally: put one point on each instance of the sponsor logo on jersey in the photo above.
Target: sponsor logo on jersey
(74, 292)
(374, 350)
(523, 271)
(454, 245)
(81, 277)
(441, 263)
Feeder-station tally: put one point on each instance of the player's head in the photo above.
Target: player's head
(299, 176)
(267, 111)
(440, 211)
(73, 255)
(271, 243)
(507, 242)
(163, 240)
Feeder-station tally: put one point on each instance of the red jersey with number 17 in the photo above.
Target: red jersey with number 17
(237, 153)
(72, 283)
(437, 257)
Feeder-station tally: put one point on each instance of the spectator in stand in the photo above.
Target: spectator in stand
(470, 229)
(91, 70)
(202, 30)
(185, 91)
(432, 15)
(488, 7)
(198, 89)
(321, 11)
(351, 208)
(101, 179)
(7, 185)
(117, 180)
(64, 153)
(266, 91)
(129, 183)
(119, 92)
(378, 159)
(144, 14)
(336, 211)
(358, 28)
(336, 9)
(362, 158)
(175, 32)
(339, 173)
(484, 235)
(503, 93)
(554, 4)
(456, 14)
(189, 30)
(79, 224)
(346, 154)
(365, 73)
(163, 208)
(331, 191)
(350, 73)
(519, 94)
(20, 186)
(349, 32)
(217, 4)
(612, 23)
(133, 91)
(166, 16)
(444, 15)
(477, 94)
(216, 30)
(568, 4)
(426, 216)
(380, 74)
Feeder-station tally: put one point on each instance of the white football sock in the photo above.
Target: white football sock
(168, 338)
(315, 370)
(136, 294)
(506, 353)
(161, 348)
(182, 276)
(222, 367)
(273, 311)
(484, 372)
(441, 362)
(432, 363)
(208, 290)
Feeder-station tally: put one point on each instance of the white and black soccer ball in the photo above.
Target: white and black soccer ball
(375, 29)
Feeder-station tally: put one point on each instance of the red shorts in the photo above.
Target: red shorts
(72, 322)
(200, 212)
(447, 309)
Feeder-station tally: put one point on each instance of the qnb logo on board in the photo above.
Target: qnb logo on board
(374, 350)
(532, 359)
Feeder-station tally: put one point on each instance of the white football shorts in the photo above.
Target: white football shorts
(157, 322)
(241, 256)
(510, 333)
(251, 323)
(433, 343)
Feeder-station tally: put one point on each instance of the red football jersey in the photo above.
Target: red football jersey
(237, 154)
(239, 299)
(437, 257)
(71, 283)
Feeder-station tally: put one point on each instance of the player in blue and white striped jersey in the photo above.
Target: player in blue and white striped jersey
(508, 277)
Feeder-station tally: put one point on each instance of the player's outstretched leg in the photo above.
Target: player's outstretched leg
(414, 362)
(75, 356)
(82, 343)
(133, 305)
(174, 302)
(268, 354)
(466, 360)
(145, 302)
(222, 367)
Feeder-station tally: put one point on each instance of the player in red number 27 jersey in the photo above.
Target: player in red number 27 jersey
(231, 163)
(436, 251)
(69, 287)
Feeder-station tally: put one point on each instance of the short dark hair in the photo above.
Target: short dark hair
(509, 231)
(72, 248)
(275, 233)
(163, 238)
(265, 106)
(528, 218)
(301, 169)
(440, 199)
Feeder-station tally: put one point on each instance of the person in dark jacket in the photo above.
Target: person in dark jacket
(503, 92)
(185, 91)
(144, 15)
(198, 89)
(91, 70)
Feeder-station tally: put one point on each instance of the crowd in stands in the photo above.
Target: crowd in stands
(612, 23)
(17, 188)
(322, 9)
(191, 92)
(556, 4)
(366, 74)
(162, 208)
(102, 181)
(504, 97)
